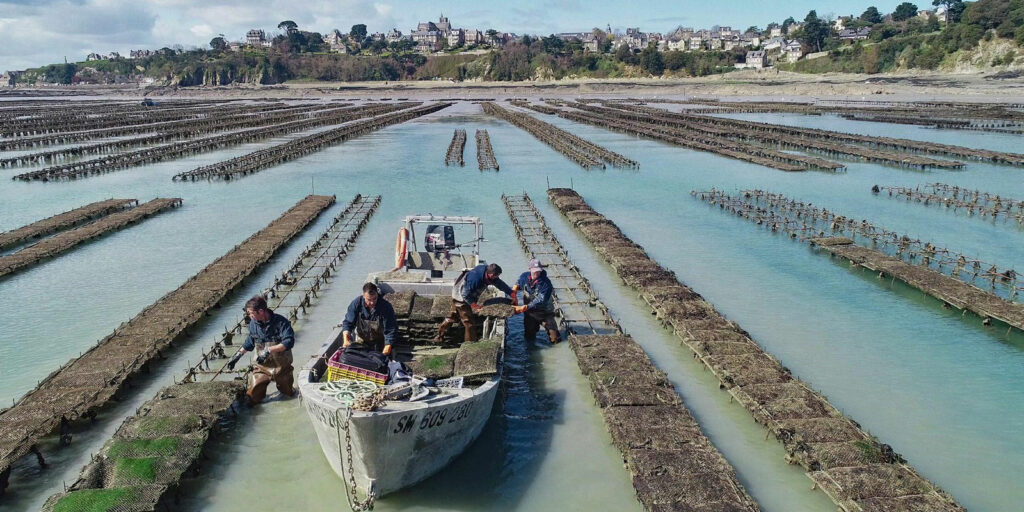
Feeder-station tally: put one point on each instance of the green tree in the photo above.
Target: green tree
(358, 32)
(904, 11)
(315, 42)
(625, 55)
(815, 31)
(218, 44)
(288, 25)
(786, 23)
(752, 30)
(553, 44)
(59, 73)
(954, 9)
(402, 45)
(651, 61)
(604, 40)
(871, 15)
(675, 60)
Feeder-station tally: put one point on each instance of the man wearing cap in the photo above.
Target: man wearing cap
(538, 302)
(465, 292)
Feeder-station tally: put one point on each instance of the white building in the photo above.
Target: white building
(456, 37)
(255, 37)
(676, 45)
(793, 51)
(773, 43)
(473, 37)
(427, 40)
(336, 40)
(757, 59)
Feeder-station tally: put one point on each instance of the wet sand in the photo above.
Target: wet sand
(749, 84)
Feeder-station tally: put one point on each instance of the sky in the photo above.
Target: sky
(39, 32)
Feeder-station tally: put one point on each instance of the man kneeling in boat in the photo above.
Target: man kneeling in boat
(538, 302)
(370, 322)
(465, 292)
(271, 337)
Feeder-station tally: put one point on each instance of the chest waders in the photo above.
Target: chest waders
(461, 312)
(277, 369)
(370, 334)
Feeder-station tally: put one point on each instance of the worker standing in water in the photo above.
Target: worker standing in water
(538, 302)
(271, 338)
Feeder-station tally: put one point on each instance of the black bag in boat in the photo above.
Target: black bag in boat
(367, 359)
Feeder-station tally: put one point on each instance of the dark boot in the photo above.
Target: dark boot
(442, 329)
(554, 336)
(472, 332)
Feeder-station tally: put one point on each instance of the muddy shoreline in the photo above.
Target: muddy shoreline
(763, 84)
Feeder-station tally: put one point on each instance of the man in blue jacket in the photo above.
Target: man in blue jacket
(370, 322)
(538, 302)
(467, 289)
(271, 338)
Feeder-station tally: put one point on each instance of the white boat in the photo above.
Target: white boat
(402, 442)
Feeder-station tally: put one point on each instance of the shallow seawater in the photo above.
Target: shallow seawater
(942, 390)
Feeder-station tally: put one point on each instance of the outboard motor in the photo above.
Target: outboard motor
(440, 238)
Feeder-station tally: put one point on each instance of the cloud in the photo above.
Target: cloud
(31, 35)
(203, 30)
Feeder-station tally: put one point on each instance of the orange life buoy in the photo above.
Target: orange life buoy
(400, 247)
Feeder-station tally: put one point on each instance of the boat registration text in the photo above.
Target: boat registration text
(432, 419)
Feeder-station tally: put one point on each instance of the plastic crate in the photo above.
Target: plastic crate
(338, 371)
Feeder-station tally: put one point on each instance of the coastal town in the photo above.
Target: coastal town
(788, 41)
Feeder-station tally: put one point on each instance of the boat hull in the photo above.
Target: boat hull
(393, 448)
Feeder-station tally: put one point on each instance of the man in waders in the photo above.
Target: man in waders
(370, 322)
(538, 302)
(467, 289)
(271, 337)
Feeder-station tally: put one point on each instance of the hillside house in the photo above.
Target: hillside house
(456, 37)
(675, 45)
(256, 38)
(474, 37)
(792, 51)
(774, 43)
(427, 40)
(858, 34)
(336, 40)
(757, 59)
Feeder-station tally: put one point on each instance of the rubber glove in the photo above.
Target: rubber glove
(262, 358)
